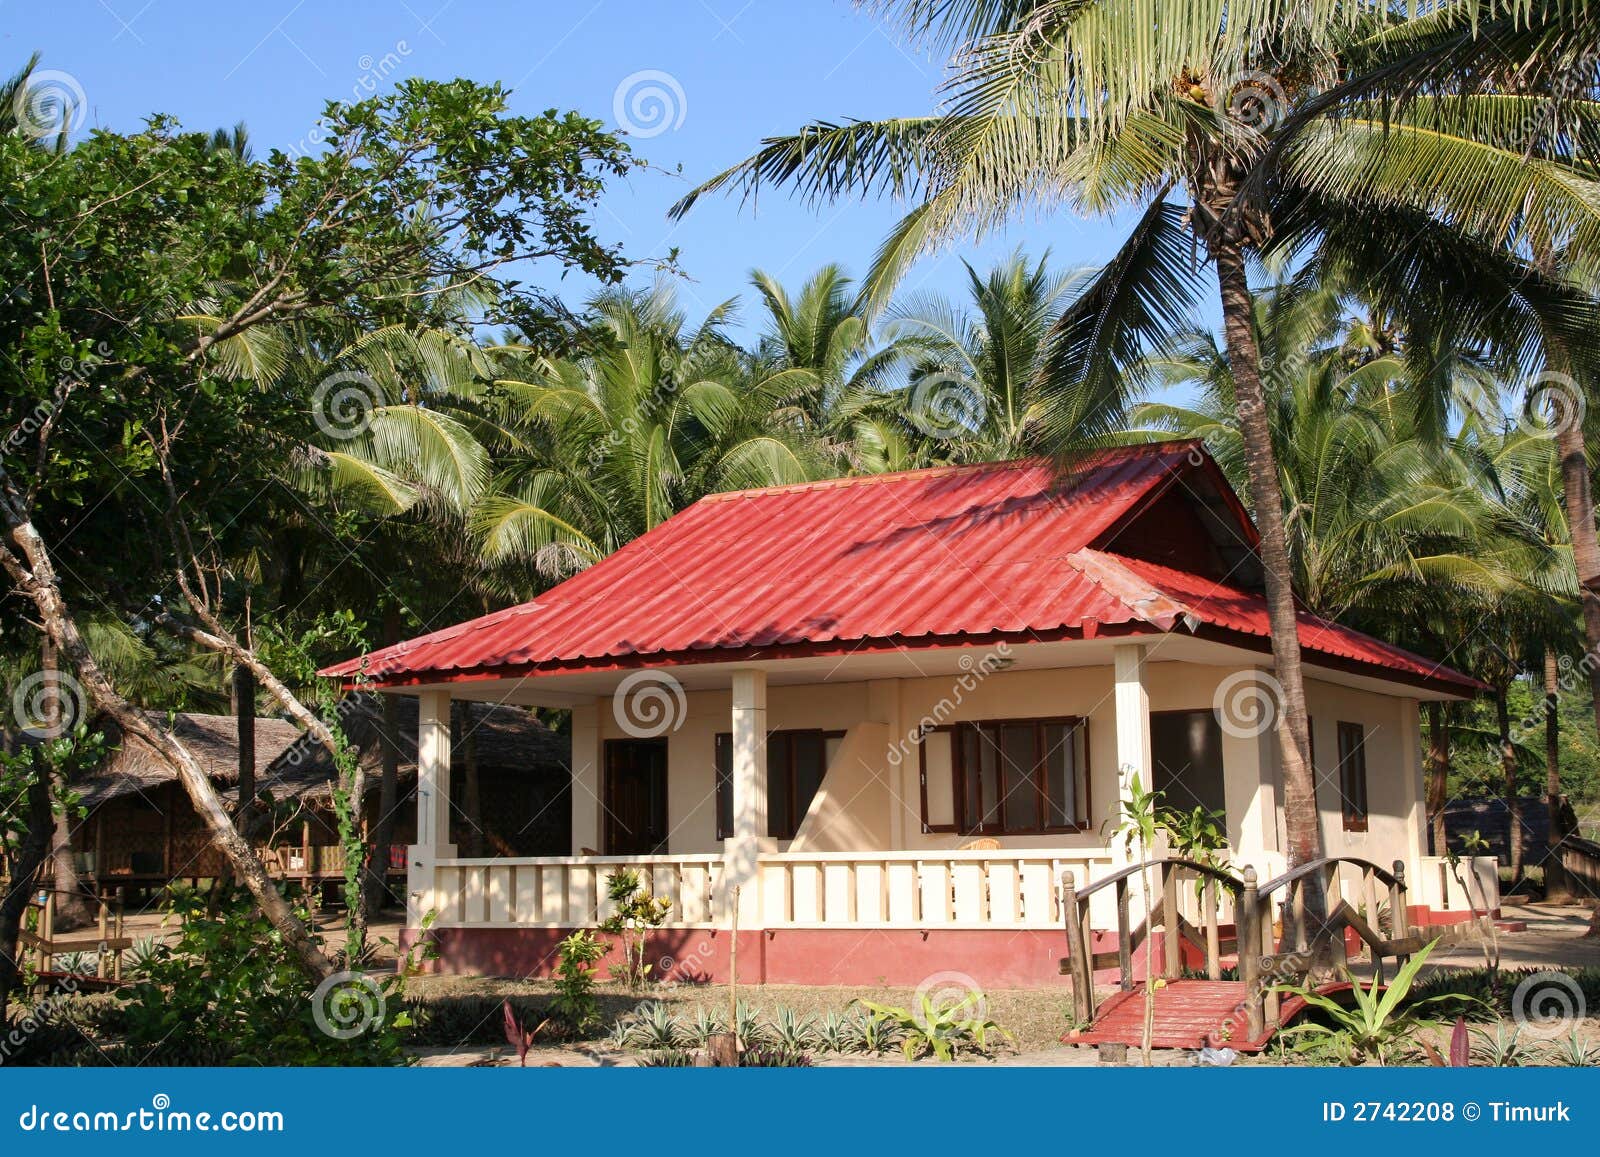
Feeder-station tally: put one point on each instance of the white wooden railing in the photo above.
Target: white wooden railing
(567, 892)
(919, 889)
(1011, 889)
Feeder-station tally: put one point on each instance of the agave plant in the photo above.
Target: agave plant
(871, 1032)
(1574, 1052)
(140, 955)
(1502, 1049)
(833, 1034)
(655, 1026)
(1380, 1024)
(703, 1028)
(747, 1023)
(790, 1030)
(77, 963)
(941, 1027)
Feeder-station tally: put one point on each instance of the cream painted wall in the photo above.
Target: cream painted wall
(1394, 774)
(892, 815)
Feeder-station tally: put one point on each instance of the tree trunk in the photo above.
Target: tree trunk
(71, 910)
(1438, 772)
(1508, 775)
(1578, 502)
(377, 890)
(1556, 884)
(244, 714)
(26, 862)
(1302, 820)
(35, 578)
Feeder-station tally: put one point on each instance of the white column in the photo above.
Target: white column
(1414, 796)
(586, 777)
(743, 850)
(433, 804)
(1132, 700)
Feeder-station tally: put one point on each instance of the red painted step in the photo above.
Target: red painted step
(1186, 1013)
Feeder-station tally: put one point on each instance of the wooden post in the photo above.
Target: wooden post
(101, 963)
(47, 932)
(1400, 919)
(116, 962)
(722, 1048)
(1171, 938)
(1125, 937)
(1212, 900)
(1080, 964)
(1248, 934)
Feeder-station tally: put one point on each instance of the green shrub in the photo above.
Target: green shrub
(575, 1004)
(230, 991)
(774, 1057)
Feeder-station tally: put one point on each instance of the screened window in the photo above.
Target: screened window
(1010, 776)
(796, 762)
(1353, 775)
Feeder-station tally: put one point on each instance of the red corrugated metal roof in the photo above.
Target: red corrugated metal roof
(948, 554)
(1218, 605)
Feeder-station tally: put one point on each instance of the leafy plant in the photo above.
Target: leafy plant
(774, 1057)
(705, 1025)
(833, 1034)
(793, 1031)
(673, 1058)
(1138, 824)
(576, 958)
(655, 1026)
(635, 913)
(942, 1028)
(518, 1035)
(1460, 1048)
(748, 1026)
(1380, 1022)
(1502, 1049)
(1574, 1052)
(872, 1032)
(231, 991)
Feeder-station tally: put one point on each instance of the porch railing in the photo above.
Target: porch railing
(1010, 889)
(568, 892)
(918, 889)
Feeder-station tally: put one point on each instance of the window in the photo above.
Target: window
(1186, 758)
(1353, 775)
(796, 762)
(1010, 776)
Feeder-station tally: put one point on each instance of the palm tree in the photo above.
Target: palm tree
(1277, 132)
(601, 447)
(974, 391)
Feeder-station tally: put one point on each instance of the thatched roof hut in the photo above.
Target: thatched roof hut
(522, 769)
(135, 768)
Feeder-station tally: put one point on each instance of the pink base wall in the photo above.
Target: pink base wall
(854, 957)
(901, 958)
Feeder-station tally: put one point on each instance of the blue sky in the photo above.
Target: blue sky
(734, 72)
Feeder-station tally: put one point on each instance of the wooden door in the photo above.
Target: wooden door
(635, 797)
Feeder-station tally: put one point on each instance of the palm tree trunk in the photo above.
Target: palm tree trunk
(1508, 774)
(1302, 820)
(1438, 771)
(1578, 502)
(1556, 884)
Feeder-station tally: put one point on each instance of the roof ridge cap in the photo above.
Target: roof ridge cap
(1108, 572)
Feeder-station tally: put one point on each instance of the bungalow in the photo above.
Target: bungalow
(864, 726)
